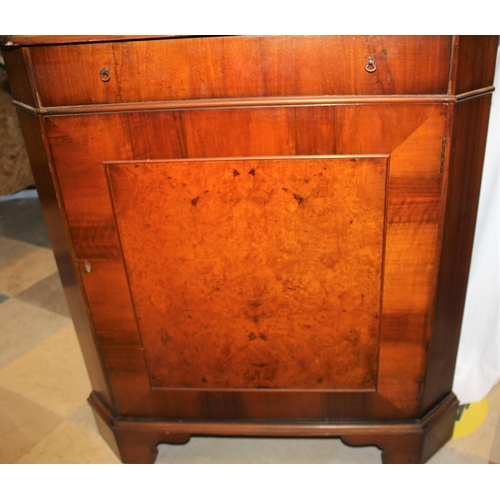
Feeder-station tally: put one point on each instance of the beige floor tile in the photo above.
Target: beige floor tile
(12, 250)
(70, 443)
(26, 270)
(495, 448)
(480, 442)
(52, 374)
(22, 425)
(450, 456)
(47, 293)
(84, 416)
(211, 450)
(23, 326)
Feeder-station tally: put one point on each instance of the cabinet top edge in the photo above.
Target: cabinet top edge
(27, 40)
(24, 40)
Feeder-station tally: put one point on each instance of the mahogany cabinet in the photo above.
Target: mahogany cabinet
(261, 236)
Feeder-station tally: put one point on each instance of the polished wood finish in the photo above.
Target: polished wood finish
(20, 77)
(464, 181)
(22, 40)
(219, 67)
(271, 269)
(262, 235)
(39, 156)
(473, 71)
(246, 102)
(412, 441)
(411, 229)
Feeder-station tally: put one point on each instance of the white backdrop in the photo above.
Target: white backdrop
(478, 362)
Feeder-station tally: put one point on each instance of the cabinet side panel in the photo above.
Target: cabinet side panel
(32, 128)
(19, 79)
(464, 180)
(475, 62)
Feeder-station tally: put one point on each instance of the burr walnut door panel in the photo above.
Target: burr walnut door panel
(255, 273)
(258, 263)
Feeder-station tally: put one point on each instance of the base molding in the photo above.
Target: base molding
(135, 440)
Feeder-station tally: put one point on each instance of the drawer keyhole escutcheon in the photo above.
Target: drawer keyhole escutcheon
(105, 76)
(88, 267)
(370, 65)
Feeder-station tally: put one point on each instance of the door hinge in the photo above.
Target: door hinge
(443, 154)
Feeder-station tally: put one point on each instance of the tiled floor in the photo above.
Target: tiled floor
(44, 416)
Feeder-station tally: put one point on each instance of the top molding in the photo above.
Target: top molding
(25, 40)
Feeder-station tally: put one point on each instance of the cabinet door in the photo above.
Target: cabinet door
(257, 263)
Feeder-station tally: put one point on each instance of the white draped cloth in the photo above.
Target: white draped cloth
(478, 362)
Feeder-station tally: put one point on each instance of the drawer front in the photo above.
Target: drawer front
(238, 67)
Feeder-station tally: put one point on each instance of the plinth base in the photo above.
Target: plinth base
(410, 441)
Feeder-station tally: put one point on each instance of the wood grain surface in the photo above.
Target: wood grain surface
(218, 282)
(470, 127)
(473, 64)
(255, 273)
(211, 67)
(409, 134)
(410, 441)
(58, 231)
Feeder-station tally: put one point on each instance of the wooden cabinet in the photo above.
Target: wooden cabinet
(261, 236)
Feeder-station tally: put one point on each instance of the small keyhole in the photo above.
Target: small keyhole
(88, 267)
